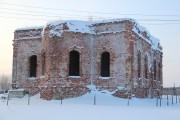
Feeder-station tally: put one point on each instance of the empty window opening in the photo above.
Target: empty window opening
(139, 64)
(146, 67)
(74, 63)
(154, 69)
(33, 65)
(159, 71)
(105, 64)
(43, 63)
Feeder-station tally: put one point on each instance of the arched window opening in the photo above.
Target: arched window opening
(146, 67)
(43, 63)
(154, 69)
(160, 68)
(139, 64)
(159, 71)
(74, 57)
(33, 66)
(105, 64)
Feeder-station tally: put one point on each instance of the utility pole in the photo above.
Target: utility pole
(174, 90)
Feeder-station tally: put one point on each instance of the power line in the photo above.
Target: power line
(39, 15)
(33, 18)
(170, 20)
(41, 12)
(23, 18)
(161, 23)
(38, 7)
(77, 16)
(43, 7)
(58, 15)
(49, 20)
(166, 20)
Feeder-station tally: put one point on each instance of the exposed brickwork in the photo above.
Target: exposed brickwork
(122, 94)
(52, 75)
(69, 92)
(47, 93)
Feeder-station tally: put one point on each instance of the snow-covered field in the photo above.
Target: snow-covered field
(82, 108)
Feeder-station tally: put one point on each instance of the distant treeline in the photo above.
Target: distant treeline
(5, 82)
(171, 91)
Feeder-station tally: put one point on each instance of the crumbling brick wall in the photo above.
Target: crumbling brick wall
(116, 38)
(26, 43)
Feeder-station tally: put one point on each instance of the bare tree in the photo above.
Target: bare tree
(5, 82)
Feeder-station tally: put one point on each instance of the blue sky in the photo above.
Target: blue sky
(13, 16)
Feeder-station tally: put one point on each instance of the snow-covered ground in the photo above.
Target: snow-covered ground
(82, 108)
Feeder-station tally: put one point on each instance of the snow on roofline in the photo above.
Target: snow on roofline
(113, 20)
(84, 27)
(30, 28)
(56, 28)
(56, 22)
(79, 25)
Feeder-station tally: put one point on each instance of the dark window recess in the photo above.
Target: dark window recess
(154, 69)
(33, 66)
(139, 64)
(74, 63)
(146, 67)
(159, 71)
(105, 64)
(43, 63)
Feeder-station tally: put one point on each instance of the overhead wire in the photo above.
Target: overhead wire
(38, 7)
(70, 16)
(38, 15)
(166, 20)
(20, 10)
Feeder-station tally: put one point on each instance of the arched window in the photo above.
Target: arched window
(139, 64)
(74, 57)
(154, 69)
(146, 67)
(105, 64)
(43, 62)
(32, 66)
(159, 65)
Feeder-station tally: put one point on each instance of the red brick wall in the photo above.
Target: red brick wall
(122, 44)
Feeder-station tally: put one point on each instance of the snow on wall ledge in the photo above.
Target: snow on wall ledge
(28, 33)
(30, 28)
(56, 28)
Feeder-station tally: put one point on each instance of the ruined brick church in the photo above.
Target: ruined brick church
(63, 57)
